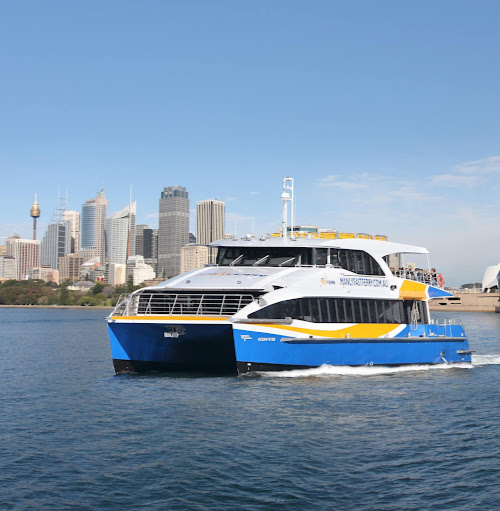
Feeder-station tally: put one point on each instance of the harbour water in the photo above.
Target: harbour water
(75, 436)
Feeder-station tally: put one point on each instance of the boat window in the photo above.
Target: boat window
(321, 256)
(258, 256)
(343, 310)
(356, 261)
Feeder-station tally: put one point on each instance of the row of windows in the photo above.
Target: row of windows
(356, 261)
(345, 310)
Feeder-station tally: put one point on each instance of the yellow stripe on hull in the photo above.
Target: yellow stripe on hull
(361, 330)
(410, 290)
(169, 318)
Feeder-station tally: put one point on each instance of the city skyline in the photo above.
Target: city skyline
(384, 114)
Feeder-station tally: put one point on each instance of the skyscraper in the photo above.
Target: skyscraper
(139, 238)
(56, 241)
(26, 254)
(120, 235)
(94, 213)
(73, 217)
(173, 229)
(210, 219)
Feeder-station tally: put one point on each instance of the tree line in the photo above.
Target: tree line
(38, 292)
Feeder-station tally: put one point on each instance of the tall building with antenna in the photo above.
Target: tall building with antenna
(120, 235)
(56, 241)
(73, 217)
(35, 214)
(94, 213)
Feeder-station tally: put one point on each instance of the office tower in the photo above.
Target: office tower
(7, 267)
(26, 254)
(192, 238)
(150, 247)
(139, 239)
(56, 241)
(193, 257)
(69, 267)
(146, 243)
(120, 235)
(173, 229)
(210, 216)
(73, 217)
(94, 213)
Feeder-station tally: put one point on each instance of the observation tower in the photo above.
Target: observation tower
(34, 213)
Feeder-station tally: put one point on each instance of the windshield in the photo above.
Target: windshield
(355, 261)
(258, 256)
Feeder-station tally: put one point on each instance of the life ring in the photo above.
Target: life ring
(440, 280)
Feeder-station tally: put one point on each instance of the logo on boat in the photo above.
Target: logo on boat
(363, 282)
(245, 337)
(328, 282)
(266, 339)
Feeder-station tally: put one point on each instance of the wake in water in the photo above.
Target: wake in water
(328, 370)
(485, 360)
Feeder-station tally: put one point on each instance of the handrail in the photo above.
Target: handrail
(286, 321)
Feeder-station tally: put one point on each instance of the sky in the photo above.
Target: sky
(385, 113)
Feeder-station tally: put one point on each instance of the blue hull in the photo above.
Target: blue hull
(262, 351)
(146, 347)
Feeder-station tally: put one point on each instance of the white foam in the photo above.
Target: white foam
(485, 360)
(328, 370)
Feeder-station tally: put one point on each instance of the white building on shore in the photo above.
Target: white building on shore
(139, 270)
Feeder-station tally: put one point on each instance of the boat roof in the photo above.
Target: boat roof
(380, 248)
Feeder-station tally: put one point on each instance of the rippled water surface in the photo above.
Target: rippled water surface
(74, 436)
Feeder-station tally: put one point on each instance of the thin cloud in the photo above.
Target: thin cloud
(454, 180)
(483, 166)
(408, 193)
(331, 182)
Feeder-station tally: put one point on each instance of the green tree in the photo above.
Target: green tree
(130, 284)
(64, 297)
(98, 288)
(87, 300)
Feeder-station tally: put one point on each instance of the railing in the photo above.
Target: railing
(424, 276)
(192, 304)
(125, 306)
(444, 321)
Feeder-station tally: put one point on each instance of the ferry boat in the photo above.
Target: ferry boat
(288, 301)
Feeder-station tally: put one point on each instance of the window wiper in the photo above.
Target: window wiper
(237, 260)
(287, 261)
(261, 260)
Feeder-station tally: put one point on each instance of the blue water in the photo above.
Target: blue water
(75, 436)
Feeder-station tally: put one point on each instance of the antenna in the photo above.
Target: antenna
(287, 196)
(129, 224)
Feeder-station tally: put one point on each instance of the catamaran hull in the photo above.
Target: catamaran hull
(139, 347)
(267, 350)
